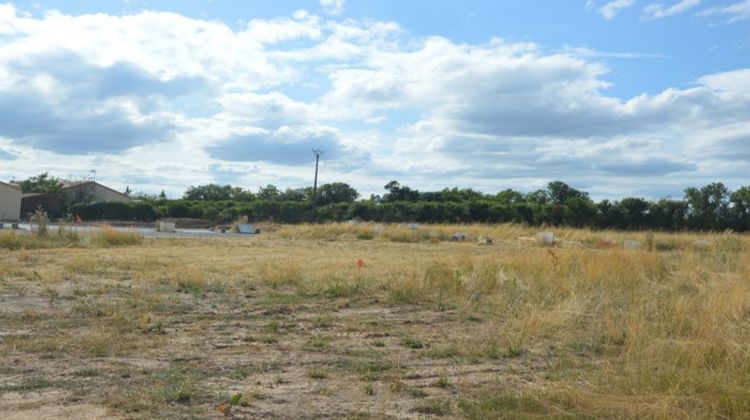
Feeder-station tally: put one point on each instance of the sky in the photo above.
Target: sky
(616, 97)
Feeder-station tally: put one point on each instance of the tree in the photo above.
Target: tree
(42, 183)
(510, 196)
(337, 192)
(296, 194)
(269, 193)
(708, 207)
(214, 192)
(538, 197)
(398, 193)
(634, 212)
(208, 192)
(740, 202)
(560, 192)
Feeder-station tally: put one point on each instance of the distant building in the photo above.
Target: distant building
(52, 204)
(10, 202)
(89, 192)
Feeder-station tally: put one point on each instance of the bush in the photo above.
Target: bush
(143, 212)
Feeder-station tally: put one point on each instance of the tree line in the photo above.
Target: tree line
(712, 207)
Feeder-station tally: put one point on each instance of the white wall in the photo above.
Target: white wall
(10, 203)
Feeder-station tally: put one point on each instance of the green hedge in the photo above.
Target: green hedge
(115, 211)
(663, 215)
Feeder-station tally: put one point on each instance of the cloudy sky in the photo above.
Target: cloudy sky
(621, 97)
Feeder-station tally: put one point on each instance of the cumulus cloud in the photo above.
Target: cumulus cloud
(284, 146)
(659, 10)
(614, 7)
(130, 93)
(731, 81)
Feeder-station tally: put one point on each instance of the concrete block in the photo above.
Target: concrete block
(168, 227)
(245, 229)
(545, 238)
(631, 244)
(484, 241)
(459, 237)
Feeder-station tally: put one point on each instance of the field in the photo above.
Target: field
(287, 324)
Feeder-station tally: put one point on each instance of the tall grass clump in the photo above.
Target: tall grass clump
(13, 241)
(39, 221)
(109, 237)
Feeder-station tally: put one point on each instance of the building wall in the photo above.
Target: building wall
(91, 192)
(10, 203)
(105, 194)
(52, 205)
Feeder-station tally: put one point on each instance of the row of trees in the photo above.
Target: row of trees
(712, 207)
(337, 192)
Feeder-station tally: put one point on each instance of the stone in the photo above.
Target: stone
(245, 229)
(545, 238)
(168, 227)
(631, 244)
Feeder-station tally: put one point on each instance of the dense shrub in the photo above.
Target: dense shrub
(713, 207)
(115, 211)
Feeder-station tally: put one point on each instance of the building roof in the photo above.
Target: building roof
(15, 187)
(71, 185)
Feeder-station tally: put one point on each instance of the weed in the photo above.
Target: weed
(412, 343)
(317, 374)
(443, 381)
(416, 392)
(238, 400)
(434, 407)
(111, 237)
(369, 389)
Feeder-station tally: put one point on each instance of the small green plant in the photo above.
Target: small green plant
(515, 348)
(317, 374)
(369, 389)
(434, 407)
(416, 392)
(442, 381)
(412, 343)
(238, 400)
(318, 343)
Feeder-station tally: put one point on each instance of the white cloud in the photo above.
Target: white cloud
(160, 100)
(734, 12)
(611, 9)
(731, 81)
(333, 7)
(583, 52)
(659, 10)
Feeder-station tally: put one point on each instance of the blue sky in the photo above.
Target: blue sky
(619, 97)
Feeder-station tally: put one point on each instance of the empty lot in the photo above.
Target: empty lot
(288, 324)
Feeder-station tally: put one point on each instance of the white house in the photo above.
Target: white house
(10, 202)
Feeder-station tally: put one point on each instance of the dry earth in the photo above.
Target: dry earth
(272, 327)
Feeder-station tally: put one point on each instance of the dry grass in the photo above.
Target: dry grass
(287, 320)
(67, 237)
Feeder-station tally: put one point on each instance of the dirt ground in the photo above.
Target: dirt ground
(100, 333)
(272, 327)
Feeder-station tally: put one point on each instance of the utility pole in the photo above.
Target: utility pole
(317, 153)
